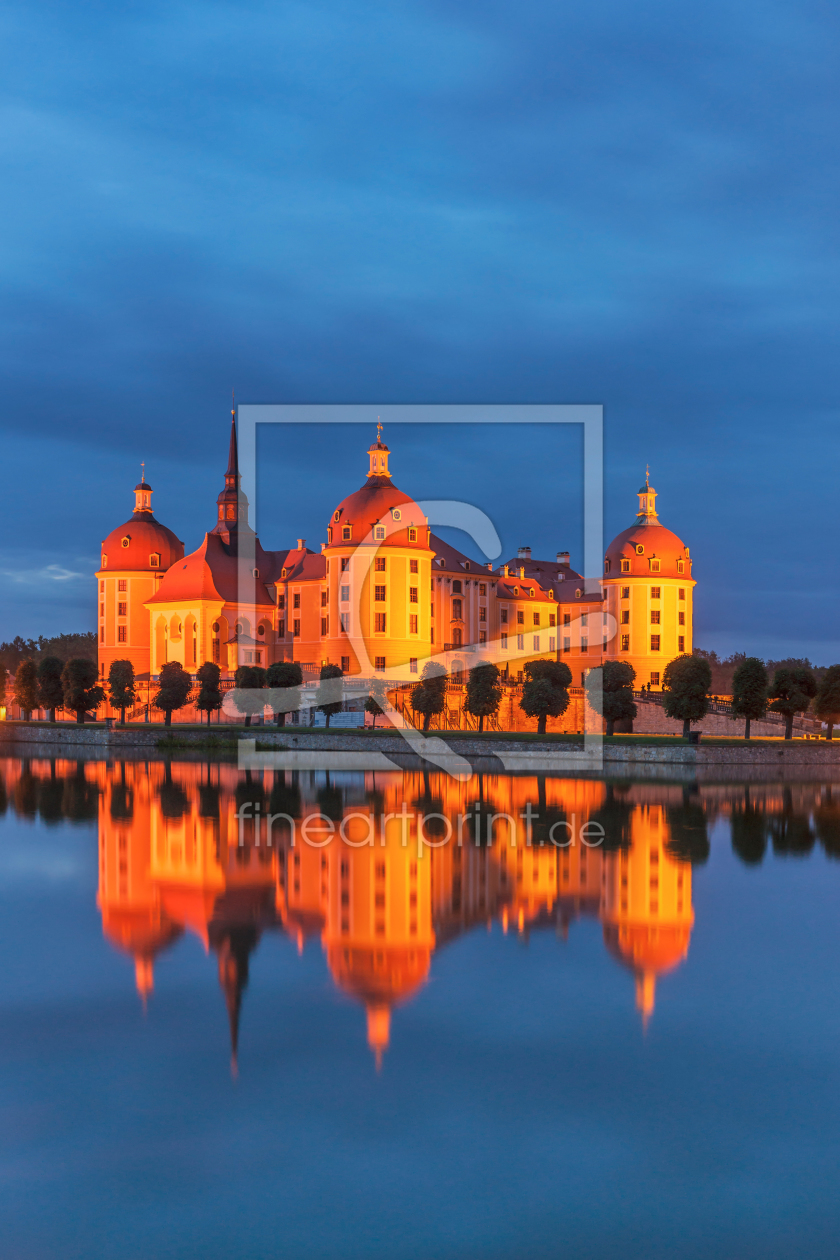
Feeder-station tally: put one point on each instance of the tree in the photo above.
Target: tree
(209, 697)
(4, 674)
(484, 692)
(121, 686)
(285, 676)
(81, 687)
(749, 691)
(377, 699)
(26, 687)
(685, 690)
(50, 690)
(328, 703)
(429, 696)
(613, 699)
(791, 691)
(175, 687)
(248, 691)
(827, 702)
(545, 693)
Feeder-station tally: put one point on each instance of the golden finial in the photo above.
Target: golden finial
(378, 430)
(647, 474)
(143, 471)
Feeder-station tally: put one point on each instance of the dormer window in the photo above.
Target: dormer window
(255, 573)
(125, 542)
(441, 563)
(577, 593)
(680, 566)
(654, 566)
(551, 595)
(283, 572)
(397, 514)
(104, 561)
(625, 566)
(606, 566)
(640, 551)
(347, 533)
(516, 590)
(329, 534)
(466, 564)
(412, 536)
(379, 533)
(154, 560)
(337, 515)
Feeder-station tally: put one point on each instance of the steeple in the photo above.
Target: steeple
(647, 503)
(232, 504)
(378, 454)
(143, 495)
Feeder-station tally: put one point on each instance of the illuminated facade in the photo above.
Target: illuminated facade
(383, 595)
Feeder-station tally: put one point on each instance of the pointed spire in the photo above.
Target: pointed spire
(233, 453)
(232, 505)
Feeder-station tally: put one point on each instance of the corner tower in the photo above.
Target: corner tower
(648, 590)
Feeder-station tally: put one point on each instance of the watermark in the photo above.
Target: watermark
(506, 646)
(359, 829)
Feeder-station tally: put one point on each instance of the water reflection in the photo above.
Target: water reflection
(175, 857)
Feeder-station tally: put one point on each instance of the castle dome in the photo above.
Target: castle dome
(646, 540)
(142, 542)
(378, 506)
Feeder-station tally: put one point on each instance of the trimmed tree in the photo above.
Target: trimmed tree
(285, 676)
(545, 693)
(209, 697)
(429, 696)
(685, 690)
(330, 696)
(26, 687)
(50, 690)
(377, 699)
(121, 686)
(248, 693)
(749, 691)
(174, 690)
(827, 701)
(484, 692)
(81, 687)
(613, 698)
(791, 691)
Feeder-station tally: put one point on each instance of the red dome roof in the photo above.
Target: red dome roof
(658, 543)
(643, 947)
(378, 502)
(146, 537)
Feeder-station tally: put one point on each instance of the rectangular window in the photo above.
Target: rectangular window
(379, 664)
(216, 651)
(101, 588)
(625, 592)
(655, 592)
(296, 629)
(584, 619)
(413, 597)
(345, 594)
(347, 533)
(482, 588)
(324, 598)
(680, 644)
(258, 657)
(681, 593)
(504, 642)
(654, 617)
(345, 563)
(412, 535)
(625, 566)
(625, 643)
(536, 619)
(654, 678)
(520, 642)
(101, 610)
(379, 564)
(122, 610)
(552, 619)
(536, 643)
(414, 567)
(121, 633)
(552, 643)
(584, 645)
(345, 664)
(681, 618)
(680, 566)
(567, 644)
(503, 616)
(122, 584)
(379, 533)
(567, 619)
(281, 602)
(345, 622)
(101, 634)
(325, 626)
(482, 636)
(296, 601)
(456, 609)
(625, 617)
(654, 643)
(412, 660)
(432, 635)
(412, 624)
(379, 594)
(380, 623)
(520, 617)
(432, 609)
(482, 613)
(281, 632)
(654, 566)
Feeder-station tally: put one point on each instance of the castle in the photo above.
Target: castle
(384, 594)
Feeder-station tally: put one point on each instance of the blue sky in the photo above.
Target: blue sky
(631, 205)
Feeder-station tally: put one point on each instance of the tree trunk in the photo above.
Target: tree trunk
(686, 728)
(122, 714)
(327, 717)
(80, 715)
(374, 721)
(52, 717)
(168, 713)
(789, 726)
(610, 726)
(247, 719)
(747, 728)
(480, 723)
(541, 721)
(280, 718)
(427, 717)
(830, 731)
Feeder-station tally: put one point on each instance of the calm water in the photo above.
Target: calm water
(222, 1049)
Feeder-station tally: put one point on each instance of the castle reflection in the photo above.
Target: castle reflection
(385, 869)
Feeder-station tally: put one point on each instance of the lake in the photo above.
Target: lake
(392, 1015)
